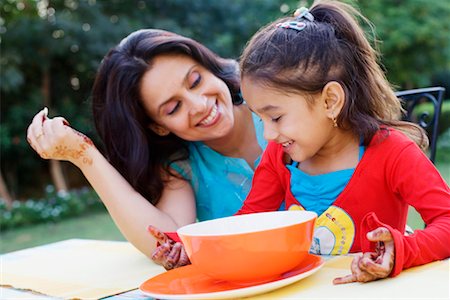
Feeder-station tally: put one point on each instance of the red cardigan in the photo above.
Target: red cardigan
(392, 174)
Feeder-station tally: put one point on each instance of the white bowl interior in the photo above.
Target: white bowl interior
(247, 223)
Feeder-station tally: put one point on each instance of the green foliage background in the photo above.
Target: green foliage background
(66, 39)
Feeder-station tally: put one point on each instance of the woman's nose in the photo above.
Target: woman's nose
(198, 104)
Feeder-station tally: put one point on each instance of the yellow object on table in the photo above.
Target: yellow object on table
(430, 281)
(85, 269)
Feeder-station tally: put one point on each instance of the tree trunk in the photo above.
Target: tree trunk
(55, 166)
(58, 176)
(4, 194)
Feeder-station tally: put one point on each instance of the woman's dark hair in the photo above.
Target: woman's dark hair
(141, 156)
(331, 47)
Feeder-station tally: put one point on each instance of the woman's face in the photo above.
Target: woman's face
(185, 98)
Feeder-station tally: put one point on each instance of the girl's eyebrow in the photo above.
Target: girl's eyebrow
(267, 108)
(186, 78)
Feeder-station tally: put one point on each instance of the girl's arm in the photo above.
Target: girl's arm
(419, 183)
(132, 213)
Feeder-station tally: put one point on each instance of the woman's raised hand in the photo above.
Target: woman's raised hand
(53, 138)
(371, 266)
(168, 253)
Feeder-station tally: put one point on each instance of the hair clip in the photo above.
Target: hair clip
(303, 13)
(299, 26)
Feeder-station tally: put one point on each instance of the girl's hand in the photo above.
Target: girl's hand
(55, 139)
(372, 265)
(169, 254)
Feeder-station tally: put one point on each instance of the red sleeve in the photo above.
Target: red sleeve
(370, 222)
(267, 192)
(416, 180)
(173, 236)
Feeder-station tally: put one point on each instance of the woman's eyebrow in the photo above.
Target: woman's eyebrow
(185, 79)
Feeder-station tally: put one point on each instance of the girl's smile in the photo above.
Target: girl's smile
(287, 146)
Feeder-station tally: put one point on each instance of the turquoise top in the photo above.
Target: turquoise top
(220, 183)
(318, 192)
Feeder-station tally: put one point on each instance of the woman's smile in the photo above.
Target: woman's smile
(212, 118)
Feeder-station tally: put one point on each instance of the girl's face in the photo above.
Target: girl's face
(184, 98)
(302, 128)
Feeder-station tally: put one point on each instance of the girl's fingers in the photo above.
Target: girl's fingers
(380, 266)
(351, 277)
(355, 262)
(358, 274)
(381, 234)
(369, 266)
(346, 279)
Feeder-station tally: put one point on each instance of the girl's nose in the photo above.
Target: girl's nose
(270, 133)
(198, 104)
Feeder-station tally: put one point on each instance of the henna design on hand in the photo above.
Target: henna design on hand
(168, 253)
(373, 265)
(84, 137)
(64, 151)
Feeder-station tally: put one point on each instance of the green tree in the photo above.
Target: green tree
(50, 51)
(415, 38)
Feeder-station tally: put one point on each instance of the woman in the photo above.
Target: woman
(173, 124)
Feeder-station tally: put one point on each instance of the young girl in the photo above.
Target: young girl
(336, 146)
(169, 113)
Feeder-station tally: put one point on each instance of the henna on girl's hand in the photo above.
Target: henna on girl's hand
(371, 266)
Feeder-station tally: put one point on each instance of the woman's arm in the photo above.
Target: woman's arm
(132, 213)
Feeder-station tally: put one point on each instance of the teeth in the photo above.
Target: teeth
(211, 116)
(286, 144)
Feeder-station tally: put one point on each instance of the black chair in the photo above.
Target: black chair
(427, 120)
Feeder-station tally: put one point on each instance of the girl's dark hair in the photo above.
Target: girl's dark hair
(332, 47)
(140, 155)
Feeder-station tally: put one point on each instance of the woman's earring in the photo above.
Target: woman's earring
(335, 124)
(159, 130)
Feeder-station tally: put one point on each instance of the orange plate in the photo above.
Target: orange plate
(188, 283)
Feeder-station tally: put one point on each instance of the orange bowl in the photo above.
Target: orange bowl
(249, 248)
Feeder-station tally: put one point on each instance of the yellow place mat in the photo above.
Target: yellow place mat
(430, 281)
(80, 269)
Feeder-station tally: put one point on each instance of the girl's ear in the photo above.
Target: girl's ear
(158, 129)
(333, 96)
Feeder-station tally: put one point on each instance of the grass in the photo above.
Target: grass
(97, 226)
